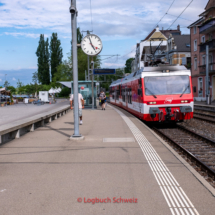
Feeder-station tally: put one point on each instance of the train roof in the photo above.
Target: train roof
(160, 68)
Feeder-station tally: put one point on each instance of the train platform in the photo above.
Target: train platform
(204, 103)
(121, 167)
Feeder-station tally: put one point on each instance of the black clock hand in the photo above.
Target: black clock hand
(91, 44)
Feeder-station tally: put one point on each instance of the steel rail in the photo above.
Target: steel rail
(203, 167)
(203, 114)
(204, 119)
(208, 109)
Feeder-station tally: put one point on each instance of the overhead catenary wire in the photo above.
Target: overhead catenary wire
(164, 14)
(176, 18)
(180, 17)
(180, 14)
(91, 15)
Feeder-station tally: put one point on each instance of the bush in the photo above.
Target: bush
(65, 92)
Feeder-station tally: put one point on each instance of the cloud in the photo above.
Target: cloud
(0, 79)
(116, 18)
(15, 34)
(14, 79)
(113, 65)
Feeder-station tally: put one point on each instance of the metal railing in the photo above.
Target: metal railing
(211, 44)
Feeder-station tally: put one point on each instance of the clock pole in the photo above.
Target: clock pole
(74, 12)
(92, 67)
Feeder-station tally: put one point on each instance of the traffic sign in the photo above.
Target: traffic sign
(104, 72)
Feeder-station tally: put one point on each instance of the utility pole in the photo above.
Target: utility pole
(74, 12)
(92, 67)
(207, 76)
(88, 67)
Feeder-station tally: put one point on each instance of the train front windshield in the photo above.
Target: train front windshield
(167, 85)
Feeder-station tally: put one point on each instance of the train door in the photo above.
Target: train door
(115, 95)
(140, 97)
(126, 96)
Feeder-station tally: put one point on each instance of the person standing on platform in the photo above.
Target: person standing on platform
(80, 105)
(102, 97)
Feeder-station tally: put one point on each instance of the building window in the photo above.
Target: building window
(211, 62)
(203, 39)
(200, 87)
(203, 60)
(195, 63)
(194, 29)
(209, 83)
(195, 45)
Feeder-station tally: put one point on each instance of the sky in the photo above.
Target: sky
(119, 23)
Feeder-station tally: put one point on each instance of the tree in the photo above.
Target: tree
(35, 80)
(43, 60)
(12, 89)
(29, 89)
(65, 92)
(128, 65)
(56, 53)
(6, 84)
(79, 36)
(20, 87)
(19, 84)
(64, 71)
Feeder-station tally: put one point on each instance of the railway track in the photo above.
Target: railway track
(197, 150)
(206, 117)
(204, 108)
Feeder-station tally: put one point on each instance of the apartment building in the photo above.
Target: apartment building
(202, 34)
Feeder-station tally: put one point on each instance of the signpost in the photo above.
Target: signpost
(104, 72)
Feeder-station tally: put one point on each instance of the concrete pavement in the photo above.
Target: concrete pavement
(19, 111)
(46, 173)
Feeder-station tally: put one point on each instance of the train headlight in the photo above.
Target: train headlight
(151, 103)
(184, 101)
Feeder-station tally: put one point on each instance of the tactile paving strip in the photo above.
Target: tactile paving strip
(176, 199)
(116, 140)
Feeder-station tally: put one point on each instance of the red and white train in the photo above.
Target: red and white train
(159, 94)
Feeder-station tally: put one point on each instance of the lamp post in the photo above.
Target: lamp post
(74, 12)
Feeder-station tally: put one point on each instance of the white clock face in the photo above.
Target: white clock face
(91, 45)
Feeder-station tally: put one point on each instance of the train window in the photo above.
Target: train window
(167, 85)
(117, 95)
(123, 95)
(130, 96)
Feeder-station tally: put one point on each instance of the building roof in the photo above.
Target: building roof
(211, 3)
(66, 83)
(195, 23)
(182, 42)
(166, 33)
(157, 35)
(147, 50)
